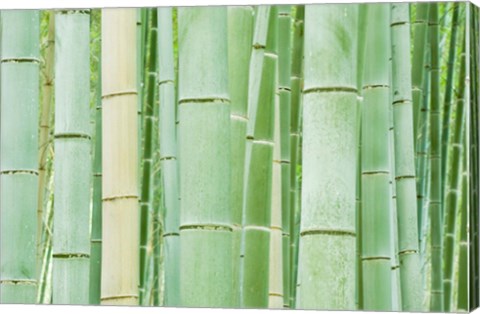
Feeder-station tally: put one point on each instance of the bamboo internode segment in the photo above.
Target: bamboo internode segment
(120, 225)
(19, 66)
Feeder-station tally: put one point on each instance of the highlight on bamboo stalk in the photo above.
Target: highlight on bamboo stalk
(320, 156)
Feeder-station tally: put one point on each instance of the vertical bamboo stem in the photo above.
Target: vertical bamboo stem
(120, 225)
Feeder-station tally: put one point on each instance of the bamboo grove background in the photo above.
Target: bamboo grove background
(310, 157)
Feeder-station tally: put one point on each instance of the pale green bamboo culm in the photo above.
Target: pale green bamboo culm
(168, 157)
(204, 152)
(326, 262)
(71, 237)
(19, 103)
(406, 194)
(255, 240)
(376, 168)
(240, 36)
(435, 202)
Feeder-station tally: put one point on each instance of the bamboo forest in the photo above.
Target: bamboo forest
(320, 156)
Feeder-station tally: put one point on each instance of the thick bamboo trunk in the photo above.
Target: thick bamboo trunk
(204, 151)
(406, 194)
(73, 167)
(376, 168)
(19, 105)
(168, 157)
(326, 262)
(120, 225)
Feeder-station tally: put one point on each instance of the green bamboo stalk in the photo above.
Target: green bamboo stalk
(168, 156)
(296, 82)
(275, 281)
(453, 183)
(120, 224)
(420, 31)
(423, 143)
(147, 160)
(435, 203)
(447, 100)
(96, 232)
(284, 90)
(327, 239)
(376, 193)
(205, 215)
(405, 160)
(19, 104)
(362, 15)
(463, 269)
(73, 167)
(240, 36)
(45, 118)
(255, 240)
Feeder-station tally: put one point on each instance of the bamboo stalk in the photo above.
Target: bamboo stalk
(19, 155)
(73, 167)
(45, 117)
(453, 183)
(240, 36)
(447, 100)
(326, 267)
(284, 91)
(96, 232)
(275, 282)
(147, 159)
(376, 193)
(296, 82)
(255, 240)
(405, 160)
(168, 156)
(120, 225)
(204, 107)
(435, 203)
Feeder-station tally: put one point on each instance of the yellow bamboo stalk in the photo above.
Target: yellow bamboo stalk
(120, 225)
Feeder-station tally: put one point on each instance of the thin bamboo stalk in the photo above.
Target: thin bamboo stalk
(327, 266)
(204, 107)
(120, 225)
(255, 240)
(96, 232)
(435, 203)
(147, 159)
(296, 82)
(168, 156)
(45, 118)
(420, 31)
(275, 284)
(284, 91)
(453, 183)
(376, 193)
(405, 160)
(447, 99)
(240, 36)
(19, 102)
